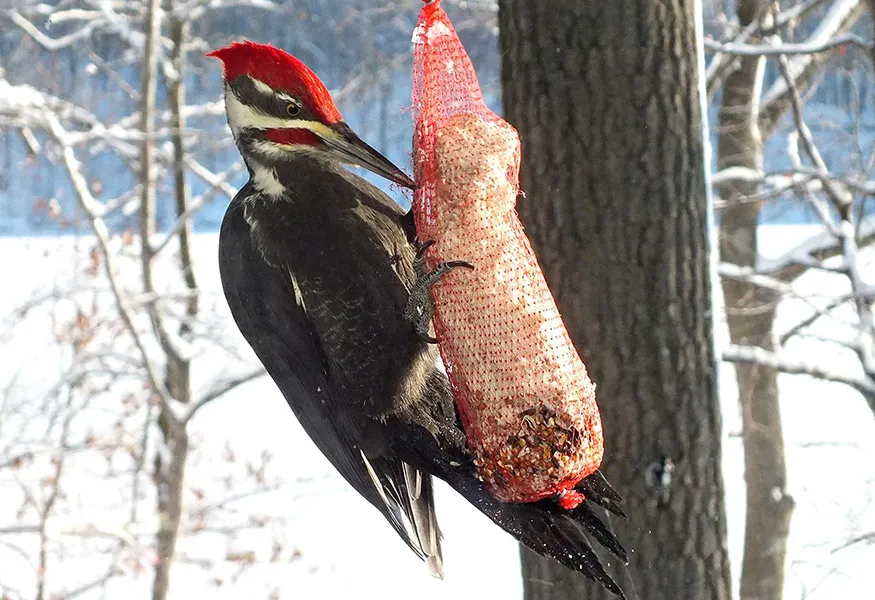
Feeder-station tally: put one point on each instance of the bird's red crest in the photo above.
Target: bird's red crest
(281, 71)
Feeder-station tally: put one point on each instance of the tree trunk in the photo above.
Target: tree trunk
(170, 461)
(605, 97)
(179, 34)
(149, 84)
(750, 312)
(169, 476)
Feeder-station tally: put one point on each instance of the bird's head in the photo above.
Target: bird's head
(278, 108)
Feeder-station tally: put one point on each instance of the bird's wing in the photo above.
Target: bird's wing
(268, 309)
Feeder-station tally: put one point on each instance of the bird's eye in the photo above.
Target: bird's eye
(292, 109)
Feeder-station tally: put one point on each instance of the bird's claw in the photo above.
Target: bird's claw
(420, 254)
(420, 306)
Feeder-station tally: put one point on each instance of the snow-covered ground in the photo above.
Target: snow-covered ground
(334, 545)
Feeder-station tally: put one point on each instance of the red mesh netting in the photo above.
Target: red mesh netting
(526, 402)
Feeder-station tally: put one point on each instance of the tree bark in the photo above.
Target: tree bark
(750, 312)
(169, 477)
(605, 97)
(178, 367)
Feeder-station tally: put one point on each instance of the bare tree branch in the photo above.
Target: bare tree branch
(20, 529)
(785, 49)
(721, 63)
(838, 198)
(792, 178)
(220, 389)
(818, 314)
(812, 251)
(840, 17)
(54, 44)
(217, 183)
(753, 355)
(866, 538)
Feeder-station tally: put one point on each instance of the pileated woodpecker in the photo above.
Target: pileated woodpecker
(316, 266)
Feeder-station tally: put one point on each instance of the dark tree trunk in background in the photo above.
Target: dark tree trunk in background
(605, 98)
(750, 312)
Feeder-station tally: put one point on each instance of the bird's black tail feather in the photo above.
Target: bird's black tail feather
(596, 488)
(548, 529)
(543, 526)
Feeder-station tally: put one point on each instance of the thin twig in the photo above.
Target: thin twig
(217, 183)
(838, 198)
(219, 390)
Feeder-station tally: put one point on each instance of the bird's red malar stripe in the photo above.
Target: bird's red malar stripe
(292, 136)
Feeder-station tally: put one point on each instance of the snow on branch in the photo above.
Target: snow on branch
(808, 177)
(54, 44)
(753, 355)
(840, 17)
(865, 342)
(112, 360)
(838, 198)
(813, 250)
(722, 62)
(24, 106)
(785, 49)
(845, 231)
(731, 271)
(196, 9)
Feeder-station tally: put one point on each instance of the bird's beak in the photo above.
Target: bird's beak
(350, 148)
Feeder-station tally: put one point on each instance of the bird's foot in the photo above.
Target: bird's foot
(420, 306)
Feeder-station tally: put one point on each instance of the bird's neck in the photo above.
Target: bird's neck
(283, 179)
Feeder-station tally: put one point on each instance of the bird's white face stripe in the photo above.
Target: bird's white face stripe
(242, 116)
(269, 91)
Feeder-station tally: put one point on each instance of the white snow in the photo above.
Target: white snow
(335, 545)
